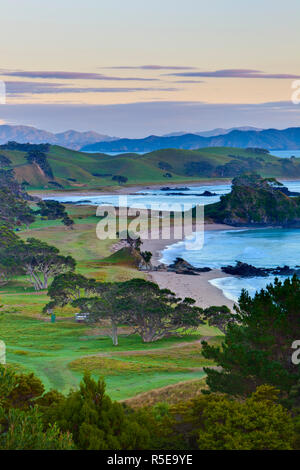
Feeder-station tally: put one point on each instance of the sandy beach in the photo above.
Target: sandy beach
(184, 285)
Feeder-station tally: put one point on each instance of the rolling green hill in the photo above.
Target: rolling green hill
(77, 170)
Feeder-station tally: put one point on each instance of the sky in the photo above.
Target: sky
(133, 68)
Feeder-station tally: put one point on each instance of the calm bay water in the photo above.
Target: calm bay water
(285, 153)
(259, 247)
(147, 197)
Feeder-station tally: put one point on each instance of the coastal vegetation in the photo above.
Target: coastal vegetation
(256, 201)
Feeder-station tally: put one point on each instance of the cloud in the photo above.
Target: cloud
(63, 75)
(189, 81)
(236, 73)
(150, 67)
(15, 88)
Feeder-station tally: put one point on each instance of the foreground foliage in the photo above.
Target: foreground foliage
(257, 347)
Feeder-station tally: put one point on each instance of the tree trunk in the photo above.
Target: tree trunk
(114, 330)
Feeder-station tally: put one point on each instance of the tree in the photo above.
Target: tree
(155, 313)
(68, 287)
(4, 161)
(21, 426)
(219, 316)
(67, 221)
(18, 390)
(109, 305)
(21, 430)
(37, 156)
(120, 179)
(257, 347)
(217, 422)
(95, 422)
(51, 209)
(14, 210)
(147, 256)
(9, 266)
(43, 261)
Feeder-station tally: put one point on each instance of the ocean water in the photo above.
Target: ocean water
(149, 196)
(259, 247)
(285, 153)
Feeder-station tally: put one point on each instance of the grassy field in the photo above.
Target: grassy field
(75, 170)
(59, 353)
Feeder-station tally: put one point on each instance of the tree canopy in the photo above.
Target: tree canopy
(257, 346)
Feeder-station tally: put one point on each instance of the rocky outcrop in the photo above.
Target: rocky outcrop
(180, 266)
(258, 202)
(247, 270)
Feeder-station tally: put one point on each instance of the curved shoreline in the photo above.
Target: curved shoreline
(185, 285)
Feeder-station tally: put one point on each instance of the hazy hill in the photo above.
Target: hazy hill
(54, 167)
(217, 131)
(71, 139)
(287, 139)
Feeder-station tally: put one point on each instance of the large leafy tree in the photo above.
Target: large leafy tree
(68, 287)
(14, 210)
(51, 209)
(257, 346)
(109, 304)
(9, 265)
(152, 312)
(155, 313)
(42, 262)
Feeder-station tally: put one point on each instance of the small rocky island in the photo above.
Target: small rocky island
(256, 202)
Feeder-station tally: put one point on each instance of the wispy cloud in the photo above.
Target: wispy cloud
(19, 88)
(236, 73)
(189, 81)
(150, 67)
(63, 75)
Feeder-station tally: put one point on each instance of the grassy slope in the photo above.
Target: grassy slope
(58, 353)
(68, 165)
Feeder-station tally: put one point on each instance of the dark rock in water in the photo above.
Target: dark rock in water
(179, 194)
(245, 270)
(286, 191)
(167, 188)
(180, 266)
(207, 194)
(82, 201)
(285, 271)
(202, 270)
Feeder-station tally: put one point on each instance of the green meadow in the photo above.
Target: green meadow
(60, 352)
(74, 170)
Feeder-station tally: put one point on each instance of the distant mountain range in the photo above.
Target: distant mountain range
(271, 139)
(242, 137)
(213, 132)
(70, 139)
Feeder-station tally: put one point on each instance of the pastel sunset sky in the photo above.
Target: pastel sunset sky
(134, 68)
